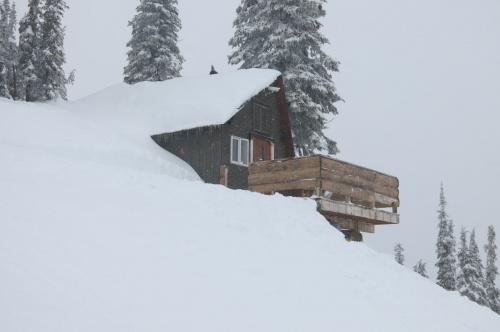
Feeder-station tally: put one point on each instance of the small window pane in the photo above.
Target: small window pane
(244, 152)
(234, 150)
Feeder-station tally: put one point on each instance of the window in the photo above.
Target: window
(261, 118)
(239, 151)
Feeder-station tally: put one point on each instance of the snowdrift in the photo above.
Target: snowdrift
(103, 231)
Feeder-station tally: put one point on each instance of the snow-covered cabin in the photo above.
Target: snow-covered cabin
(233, 129)
(236, 118)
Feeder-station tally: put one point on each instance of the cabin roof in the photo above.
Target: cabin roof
(180, 103)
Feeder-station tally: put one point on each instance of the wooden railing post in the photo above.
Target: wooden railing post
(223, 173)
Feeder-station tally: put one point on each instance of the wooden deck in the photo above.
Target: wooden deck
(350, 196)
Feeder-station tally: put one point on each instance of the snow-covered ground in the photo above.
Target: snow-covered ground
(104, 231)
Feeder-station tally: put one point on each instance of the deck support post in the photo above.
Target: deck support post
(223, 172)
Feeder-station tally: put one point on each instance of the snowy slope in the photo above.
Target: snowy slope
(103, 231)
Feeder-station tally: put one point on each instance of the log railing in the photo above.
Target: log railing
(327, 178)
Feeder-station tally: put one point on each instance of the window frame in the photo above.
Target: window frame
(261, 118)
(240, 160)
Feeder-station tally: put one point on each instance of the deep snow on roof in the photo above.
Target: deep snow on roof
(180, 103)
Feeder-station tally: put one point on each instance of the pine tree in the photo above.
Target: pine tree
(284, 35)
(445, 247)
(477, 280)
(463, 264)
(153, 54)
(4, 23)
(4, 89)
(12, 50)
(4, 56)
(491, 273)
(52, 46)
(470, 278)
(398, 253)
(2, 19)
(420, 269)
(30, 56)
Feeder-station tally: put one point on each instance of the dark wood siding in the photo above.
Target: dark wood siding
(199, 147)
(240, 125)
(206, 149)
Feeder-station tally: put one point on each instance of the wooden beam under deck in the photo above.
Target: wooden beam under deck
(358, 226)
(356, 213)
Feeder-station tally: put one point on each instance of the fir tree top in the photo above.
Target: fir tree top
(445, 247)
(284, 35)
(491, 272)
(154, 54)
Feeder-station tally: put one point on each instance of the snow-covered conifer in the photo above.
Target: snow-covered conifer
(12, 51)
(420, 269)
(464, 266)
(470, 278)
(153, 54)
(71, 77)
(491, 273)
(30, 56)
(284, 35)
(477, 280)
(4, 89)
(4, 23)
(4, 49)
(52, 46)
(12, 20)
(445, 247)
(398, 253)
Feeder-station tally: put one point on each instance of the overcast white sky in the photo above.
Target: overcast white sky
(420, 81)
